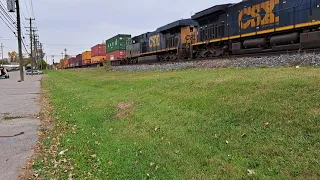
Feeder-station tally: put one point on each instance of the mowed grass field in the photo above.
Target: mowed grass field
(188, 124)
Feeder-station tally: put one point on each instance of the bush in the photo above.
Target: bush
(107, 64)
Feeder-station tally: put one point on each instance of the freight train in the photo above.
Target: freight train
(250, 26)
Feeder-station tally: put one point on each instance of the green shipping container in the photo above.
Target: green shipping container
(118, 42)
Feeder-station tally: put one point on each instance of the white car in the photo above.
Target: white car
(35, 72)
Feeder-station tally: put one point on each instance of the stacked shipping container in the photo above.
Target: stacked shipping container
(116, 47)
(98, 53)
(65, 63)
(79, 60)
(116, 55)
(86, 57)
(72, 62)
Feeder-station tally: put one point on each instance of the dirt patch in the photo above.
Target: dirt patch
(124, 109)
(316, 111)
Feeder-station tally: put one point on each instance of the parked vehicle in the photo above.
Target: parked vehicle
(4, 73)
(35, 72)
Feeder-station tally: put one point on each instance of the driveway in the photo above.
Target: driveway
(19, 124)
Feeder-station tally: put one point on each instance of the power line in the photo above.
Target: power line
(32, 8)
(25, 48)
(25, 2)
(6, 13)
(63, 45)
(7, 24)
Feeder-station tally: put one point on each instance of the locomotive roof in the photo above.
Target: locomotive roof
(179, 23)
(214, 9)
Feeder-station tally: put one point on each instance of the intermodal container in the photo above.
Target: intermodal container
(98, 59)
(118, 42)
(79, 60)
(72, 62)
(86, 55)
(116, 55)
(79, 57)
(86, 62)
(98, 50)
(65, 63)
(78, 63)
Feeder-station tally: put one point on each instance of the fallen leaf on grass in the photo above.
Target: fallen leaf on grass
(94, 155)
(266, 124)
(151, 164)
(70, 177)
(110, 162)
(250, 172)
(64, 151)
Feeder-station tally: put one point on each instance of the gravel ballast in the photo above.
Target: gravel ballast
(304, 59)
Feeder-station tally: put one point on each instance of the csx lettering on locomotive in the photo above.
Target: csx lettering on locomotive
(259, 14)
(154, 41)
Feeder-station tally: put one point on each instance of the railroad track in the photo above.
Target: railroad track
(257, 55)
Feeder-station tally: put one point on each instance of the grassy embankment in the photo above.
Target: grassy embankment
(190, 124)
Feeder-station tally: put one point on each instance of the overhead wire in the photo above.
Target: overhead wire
(11, 23)
(6, 23)
(2, 7)
(6, 19)
(32, 8)
(10, 20)
(25, 2)
(32, 11)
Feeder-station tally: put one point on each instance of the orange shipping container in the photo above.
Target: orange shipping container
(86, 55)
(65, 63)
(97, 59)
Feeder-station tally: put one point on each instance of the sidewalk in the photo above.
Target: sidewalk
(19, 108)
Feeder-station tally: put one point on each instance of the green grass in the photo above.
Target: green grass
(188, 124)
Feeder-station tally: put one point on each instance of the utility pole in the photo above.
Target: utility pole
(40, 59)
(31, 44)
(65, 53)
(35, 48)
(46, 62)
(2, 53)
(19, 41)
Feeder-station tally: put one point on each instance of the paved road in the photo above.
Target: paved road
(19, 108)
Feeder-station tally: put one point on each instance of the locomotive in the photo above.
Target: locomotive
(250, 26)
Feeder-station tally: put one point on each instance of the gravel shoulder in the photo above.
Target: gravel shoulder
(19, 123)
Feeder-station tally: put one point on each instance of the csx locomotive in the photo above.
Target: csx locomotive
(250, 26)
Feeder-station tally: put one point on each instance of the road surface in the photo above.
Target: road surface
(19, 109)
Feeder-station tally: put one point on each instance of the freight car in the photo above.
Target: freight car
(254, 26)
(247, 27)
(169, 43)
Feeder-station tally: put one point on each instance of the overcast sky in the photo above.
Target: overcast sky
(80, 24)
